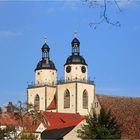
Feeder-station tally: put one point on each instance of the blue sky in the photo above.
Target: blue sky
(112, 53)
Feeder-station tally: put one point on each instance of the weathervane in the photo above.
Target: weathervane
(45, 38)
(75, 34)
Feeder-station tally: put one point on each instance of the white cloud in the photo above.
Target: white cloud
(9, 34)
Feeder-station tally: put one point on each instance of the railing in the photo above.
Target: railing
(75, 80)
(40, 85)
(60, 82)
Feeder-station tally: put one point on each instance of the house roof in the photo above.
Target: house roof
(127, 112)
(7, 119)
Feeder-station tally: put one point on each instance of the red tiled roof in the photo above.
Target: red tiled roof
(52, 104)
(10, 119)
(62, 120)
(127, 112)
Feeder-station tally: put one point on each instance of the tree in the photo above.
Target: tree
(24, 111)
(104, 8)
(102, 126)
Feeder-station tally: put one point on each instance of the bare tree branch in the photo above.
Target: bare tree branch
(104, 12)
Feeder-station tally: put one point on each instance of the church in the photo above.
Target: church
(75, 94)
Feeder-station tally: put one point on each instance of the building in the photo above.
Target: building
(73, 95)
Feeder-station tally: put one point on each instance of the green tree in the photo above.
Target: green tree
(102, 126)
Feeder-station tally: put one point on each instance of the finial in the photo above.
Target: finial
(75, 34)
(45, 38)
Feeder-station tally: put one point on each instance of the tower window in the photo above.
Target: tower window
(37, 102)
(67, 99)
(96, 104)
(85, 100)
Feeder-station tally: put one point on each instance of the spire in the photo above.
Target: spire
(75, 34)
(75, 45)
(45, 39)
(45, 50)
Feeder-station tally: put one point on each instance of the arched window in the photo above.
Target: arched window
(85, 100)
(37, 102)
(67, 99)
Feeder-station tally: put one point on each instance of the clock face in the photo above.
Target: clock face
(83, 69)
(68, 69)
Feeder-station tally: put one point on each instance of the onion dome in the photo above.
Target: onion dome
(45, 63)
(75, 59)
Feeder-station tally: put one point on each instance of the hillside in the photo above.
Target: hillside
(127, 112)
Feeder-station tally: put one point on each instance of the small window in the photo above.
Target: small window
(38, 73)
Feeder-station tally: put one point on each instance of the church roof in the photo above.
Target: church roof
(52, 104)
(56, 133)
(60, 124)
(62, 120)
(75, 59)
(127, 112)
(44, 64)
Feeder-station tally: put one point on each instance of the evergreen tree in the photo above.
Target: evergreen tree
(102, 126)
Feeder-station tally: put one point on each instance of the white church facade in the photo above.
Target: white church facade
(69, 97)
(74, 94)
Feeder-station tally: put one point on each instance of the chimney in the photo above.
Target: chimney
(10, 107)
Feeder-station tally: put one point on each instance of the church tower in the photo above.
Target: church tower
(76, 93)
(41, 93)
(75, 66)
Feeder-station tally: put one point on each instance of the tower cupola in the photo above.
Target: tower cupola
(45, 72)
(75, 46)
(45, 63)
(45, 51)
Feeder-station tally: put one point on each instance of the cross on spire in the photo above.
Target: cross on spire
(75, 34)
(45, 38)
